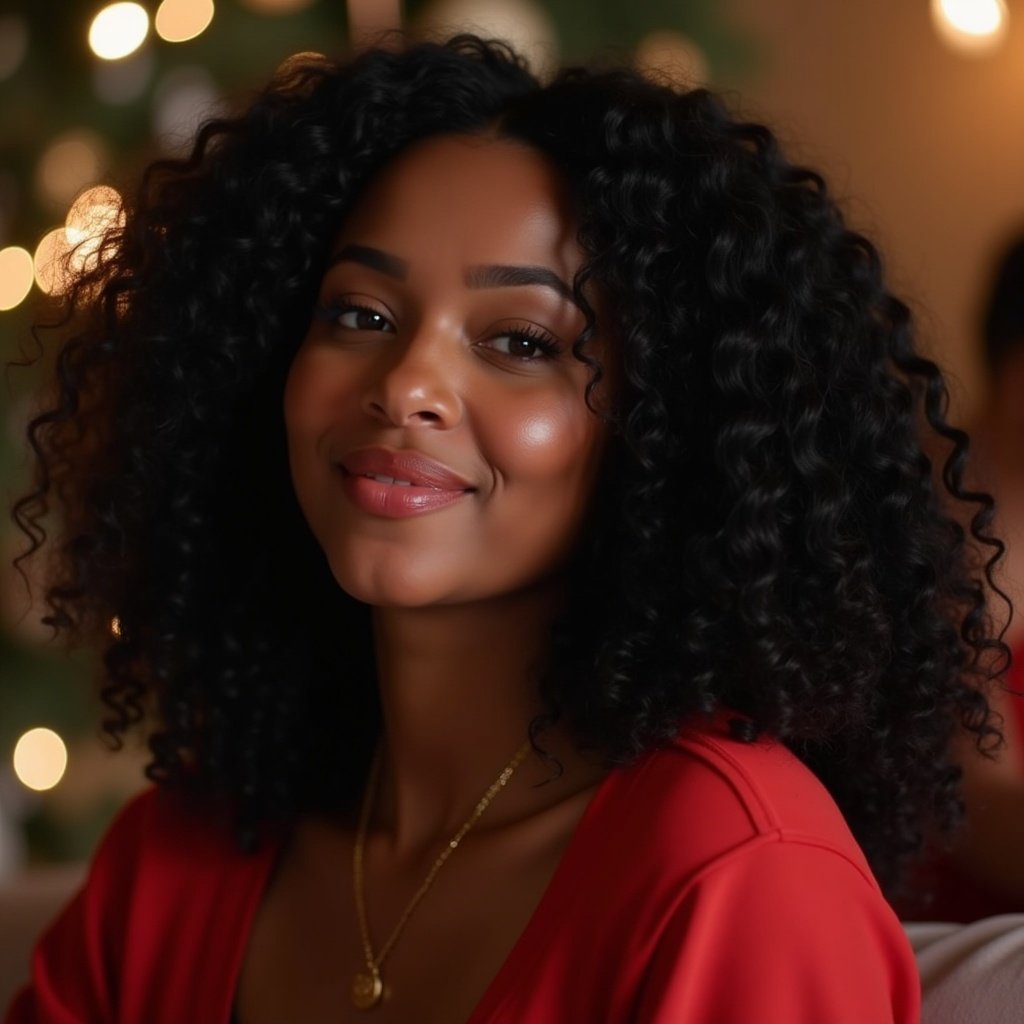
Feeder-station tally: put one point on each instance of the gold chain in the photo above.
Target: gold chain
(367, 987)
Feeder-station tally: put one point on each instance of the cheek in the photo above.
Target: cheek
(303, 396)
(548, 443)
(538, 432)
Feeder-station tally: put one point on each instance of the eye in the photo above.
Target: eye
(524, 344)
(352, 316)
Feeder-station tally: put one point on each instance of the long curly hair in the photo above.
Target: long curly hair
(769, 535)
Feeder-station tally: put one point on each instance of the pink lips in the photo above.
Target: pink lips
(398, 484)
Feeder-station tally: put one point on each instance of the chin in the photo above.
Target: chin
(385, 584)
(406, 583)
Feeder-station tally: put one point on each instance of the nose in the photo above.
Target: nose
(415, 384)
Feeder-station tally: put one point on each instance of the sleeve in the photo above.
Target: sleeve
(782, 932)
(73, 965)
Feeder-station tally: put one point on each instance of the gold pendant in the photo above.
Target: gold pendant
(367, 988)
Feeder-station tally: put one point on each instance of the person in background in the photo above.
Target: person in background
(514, 505)
(983, 874)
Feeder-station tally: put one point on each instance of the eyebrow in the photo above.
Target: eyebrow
(488, 275)
(375, 259)
(497, 275)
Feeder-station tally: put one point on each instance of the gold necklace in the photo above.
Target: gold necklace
(367, 986)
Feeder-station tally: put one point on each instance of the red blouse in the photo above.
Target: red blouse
(714, 882)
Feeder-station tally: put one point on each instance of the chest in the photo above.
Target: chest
(305, 947)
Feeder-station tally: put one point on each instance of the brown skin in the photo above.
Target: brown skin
(993, 840)
(462, 596)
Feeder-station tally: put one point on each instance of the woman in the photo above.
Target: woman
(598, 491)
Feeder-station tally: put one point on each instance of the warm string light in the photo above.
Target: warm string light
(71, 161)
(673, 57)
(970, 26)
(178, 21)
(118, 30)
(40, 759)
(51, 262)
(16, 276)
(13, 44)
(95, 212)
(65, 252)
(523, 23)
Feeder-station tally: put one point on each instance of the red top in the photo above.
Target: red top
(711, 883)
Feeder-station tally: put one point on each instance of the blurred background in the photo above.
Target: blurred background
(911, 109)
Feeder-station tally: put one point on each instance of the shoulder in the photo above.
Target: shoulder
(165, 861)
(715, 880)
(174, 858)
(160, 832)
(707, 796)
(159, 928)
(762, 891)
(156, 933)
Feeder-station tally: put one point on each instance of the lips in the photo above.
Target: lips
(398, 484)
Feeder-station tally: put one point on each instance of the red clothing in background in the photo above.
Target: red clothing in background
(711, 883)
(944, 891)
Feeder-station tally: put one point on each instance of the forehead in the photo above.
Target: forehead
(476, 199)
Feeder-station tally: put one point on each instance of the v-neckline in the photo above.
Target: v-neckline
(526, 949)
(529, 946)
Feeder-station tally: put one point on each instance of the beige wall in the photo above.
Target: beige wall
(925, 145)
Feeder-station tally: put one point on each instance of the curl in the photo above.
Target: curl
(768, 535)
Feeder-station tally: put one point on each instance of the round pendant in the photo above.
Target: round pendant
(367, 988)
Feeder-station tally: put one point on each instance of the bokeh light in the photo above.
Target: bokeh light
(523, 23)
(16, 276)
(51, 262)
(177, 21)
(118, 30)
(40, 759)
(70, 163)
(970, 26)
(302, 58)
(673, 57)
(92, 214)
(13, 44)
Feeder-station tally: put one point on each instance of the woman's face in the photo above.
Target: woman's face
(439, 441)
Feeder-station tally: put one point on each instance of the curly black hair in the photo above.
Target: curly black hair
(769, 534)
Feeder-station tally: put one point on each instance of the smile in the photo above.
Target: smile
(382, 479)
(399, 484)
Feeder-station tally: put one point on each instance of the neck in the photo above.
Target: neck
(458, 688)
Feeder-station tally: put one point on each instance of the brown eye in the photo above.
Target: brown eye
(524, 345)
(362, 318)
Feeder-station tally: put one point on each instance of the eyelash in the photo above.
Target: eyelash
(332, 312)
(547, 347)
